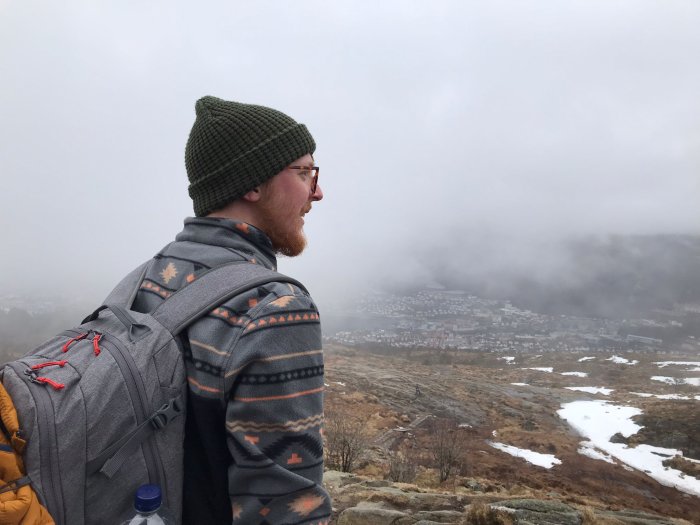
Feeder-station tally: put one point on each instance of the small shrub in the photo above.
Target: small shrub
(529, 425)
(481, 514)
(588, 517)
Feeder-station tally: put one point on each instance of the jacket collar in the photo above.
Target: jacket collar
(230, 233)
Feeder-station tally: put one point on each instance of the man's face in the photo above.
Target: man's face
(284, 201)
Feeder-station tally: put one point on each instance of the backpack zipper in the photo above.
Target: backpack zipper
(50, 469)
(137, 391)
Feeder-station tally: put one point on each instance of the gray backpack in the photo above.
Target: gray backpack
(101, 406)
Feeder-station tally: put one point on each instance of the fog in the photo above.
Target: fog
(439, 125)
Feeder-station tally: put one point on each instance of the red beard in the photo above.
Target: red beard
(286, 235)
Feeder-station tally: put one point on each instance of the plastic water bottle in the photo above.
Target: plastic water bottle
(147, 504)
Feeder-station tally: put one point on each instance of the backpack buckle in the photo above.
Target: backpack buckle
(165, 414)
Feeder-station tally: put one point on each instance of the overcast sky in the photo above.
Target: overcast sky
(435, 122)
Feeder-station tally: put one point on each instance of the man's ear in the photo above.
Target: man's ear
(253, 195)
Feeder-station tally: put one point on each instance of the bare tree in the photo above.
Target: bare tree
(401, 468)
(346, 440)
(445, 448)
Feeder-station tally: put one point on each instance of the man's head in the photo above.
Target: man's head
(244, 161)
(279, 205)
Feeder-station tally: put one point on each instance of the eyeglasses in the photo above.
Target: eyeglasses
(314, 180)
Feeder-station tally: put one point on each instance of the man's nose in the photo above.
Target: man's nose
(318, 194)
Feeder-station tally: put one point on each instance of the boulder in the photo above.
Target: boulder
(637, 517)
(473, 484)
(376, 483)
(373, 516)
(438, 516)
(540, 512)
(334, 479)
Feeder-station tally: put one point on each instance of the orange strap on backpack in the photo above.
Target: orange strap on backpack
(19, 504)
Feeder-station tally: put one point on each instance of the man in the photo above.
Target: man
(253, 447)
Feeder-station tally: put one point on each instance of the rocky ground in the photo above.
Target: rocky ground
(400, 398)
(361, 500)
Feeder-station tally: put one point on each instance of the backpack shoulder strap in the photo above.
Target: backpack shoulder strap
(125, 292)
(212, 289)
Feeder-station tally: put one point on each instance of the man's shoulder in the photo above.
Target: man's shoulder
(272, 297)
(181, 263)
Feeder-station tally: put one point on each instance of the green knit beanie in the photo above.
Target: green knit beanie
(235, 147)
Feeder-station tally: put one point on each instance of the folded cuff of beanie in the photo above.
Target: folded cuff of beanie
(236, 178)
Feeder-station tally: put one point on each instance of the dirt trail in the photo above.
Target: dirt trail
(388, 439)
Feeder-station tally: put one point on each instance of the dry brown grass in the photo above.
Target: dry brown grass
(682, 464)
(589, 517)
(427, 477)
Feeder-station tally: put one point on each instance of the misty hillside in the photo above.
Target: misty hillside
(613, 276)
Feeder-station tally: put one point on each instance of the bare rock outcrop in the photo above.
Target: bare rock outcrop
(363, 501)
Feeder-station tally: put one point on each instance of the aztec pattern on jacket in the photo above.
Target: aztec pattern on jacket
(253, 446)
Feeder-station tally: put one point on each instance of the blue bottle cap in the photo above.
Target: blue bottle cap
(148, 498)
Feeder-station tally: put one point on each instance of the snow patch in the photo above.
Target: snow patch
(536, 458)
(599, 421)
(585, 359)
(591, 389)
(577, 374)
(664, 396)
(520, 384)
(663, 364)
(508, 359)
(541, 369)
(588, 449)
(622, 360)
(695, 381)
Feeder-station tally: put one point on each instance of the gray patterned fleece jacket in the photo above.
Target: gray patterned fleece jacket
(253, 447)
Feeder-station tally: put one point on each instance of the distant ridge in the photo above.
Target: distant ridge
(615, 276)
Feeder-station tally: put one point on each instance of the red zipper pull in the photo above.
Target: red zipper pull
(49, 363)
(96, 343)
(50, 382)
(74, 340)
